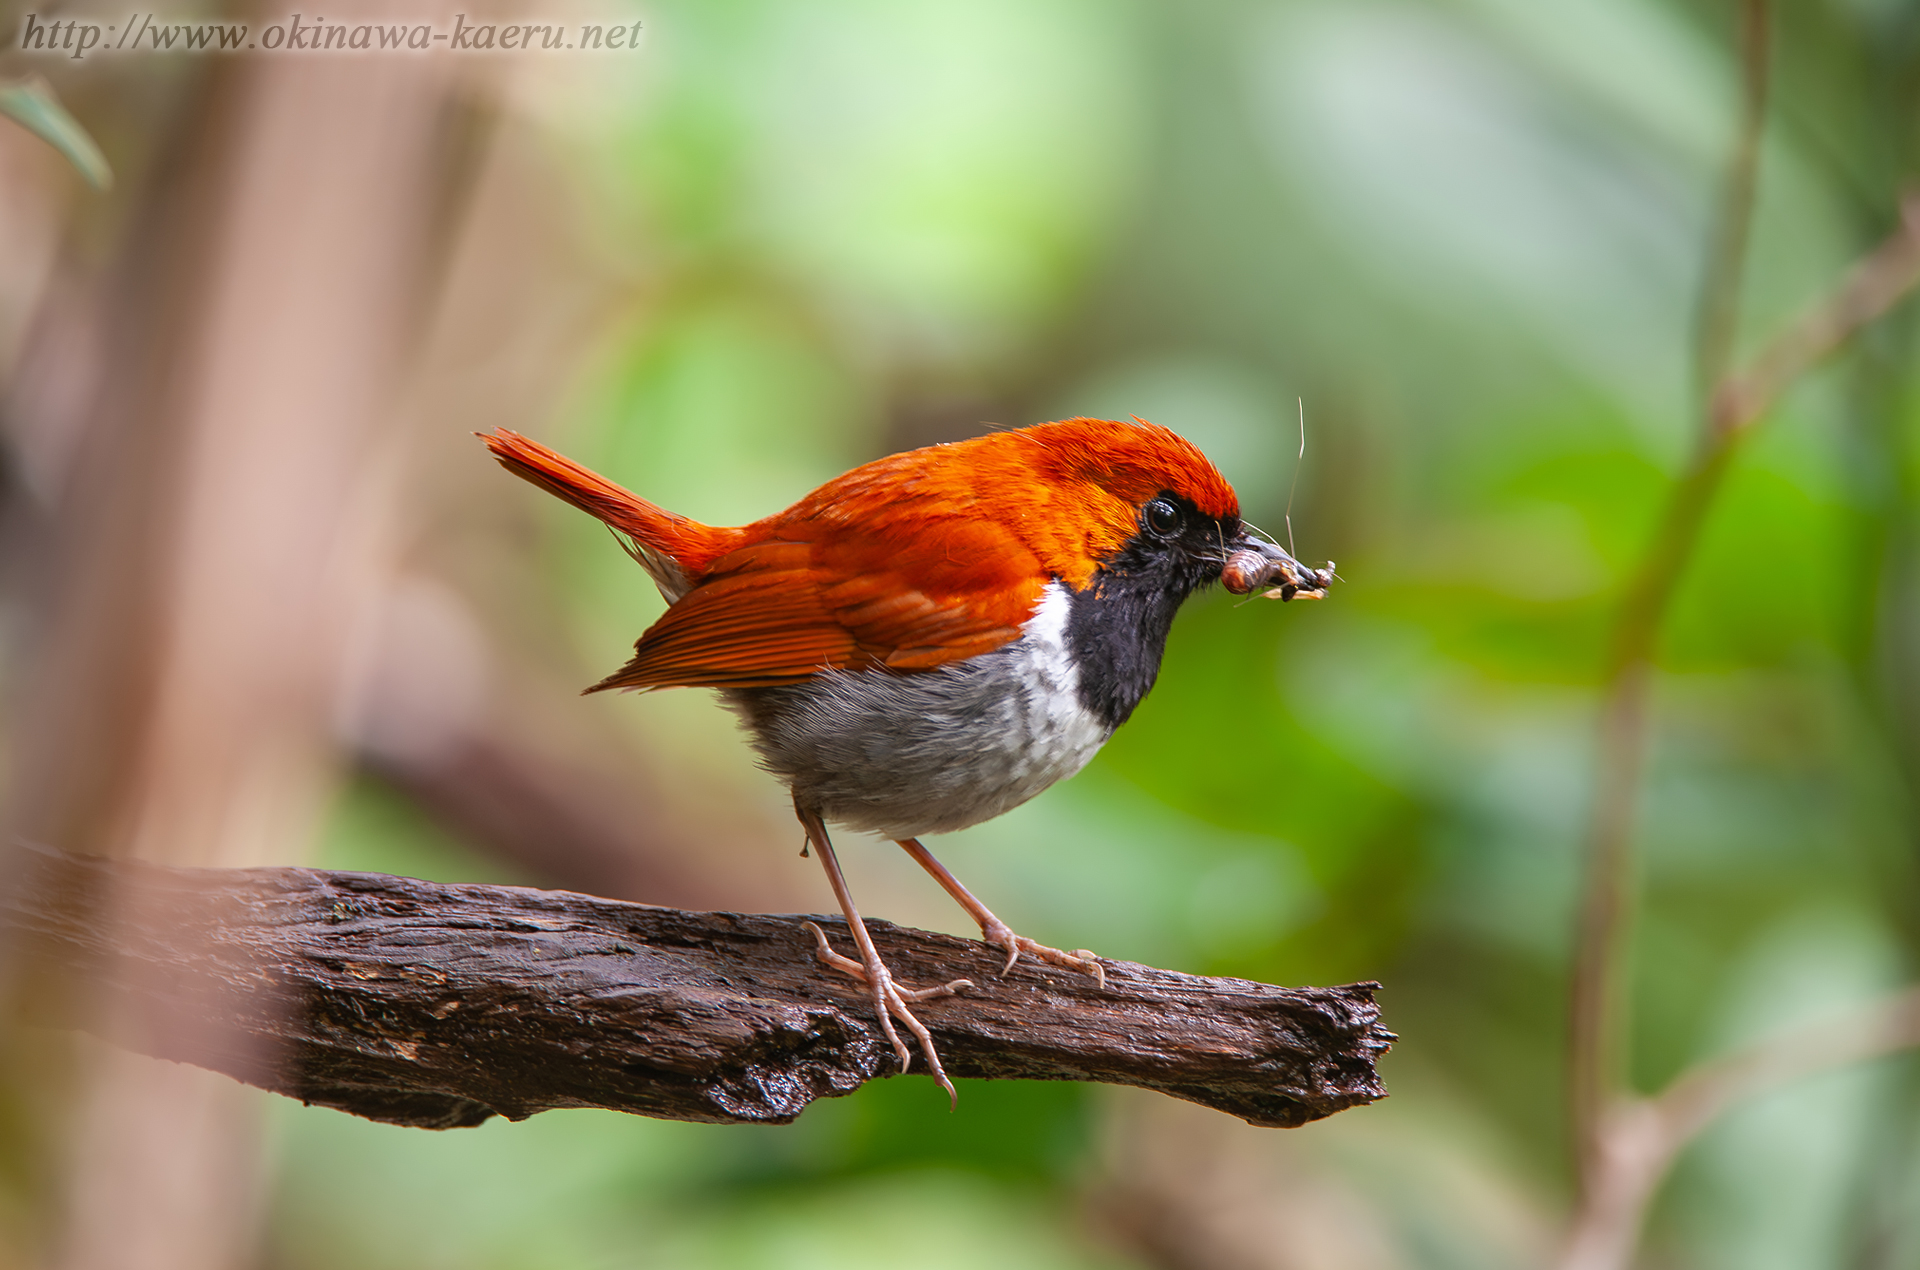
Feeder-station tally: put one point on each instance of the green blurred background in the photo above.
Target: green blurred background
(1463, 237)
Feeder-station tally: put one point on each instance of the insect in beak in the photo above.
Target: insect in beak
(1253, 563)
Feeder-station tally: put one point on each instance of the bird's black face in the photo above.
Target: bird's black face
(1118, 625)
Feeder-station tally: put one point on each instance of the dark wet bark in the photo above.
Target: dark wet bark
(439, 1006)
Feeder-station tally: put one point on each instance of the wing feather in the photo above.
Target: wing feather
(908, 594)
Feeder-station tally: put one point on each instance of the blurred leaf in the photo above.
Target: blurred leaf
(30, 103)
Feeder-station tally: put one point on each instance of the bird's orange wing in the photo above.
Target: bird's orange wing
(885, 589)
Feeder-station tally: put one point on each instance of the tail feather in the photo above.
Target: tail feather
(675, 549)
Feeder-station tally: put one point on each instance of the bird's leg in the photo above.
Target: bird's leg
(996, 932)
(889, 998)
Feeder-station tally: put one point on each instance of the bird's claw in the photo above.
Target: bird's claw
(1000, 935)
(848, 966)
(890, 1002)
(824, 950)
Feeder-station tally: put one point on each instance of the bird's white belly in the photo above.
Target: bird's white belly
(903, 755)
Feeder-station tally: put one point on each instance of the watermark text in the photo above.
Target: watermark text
(80, 38)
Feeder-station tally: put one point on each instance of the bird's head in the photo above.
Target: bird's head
(1112, 501)
(1132, 518)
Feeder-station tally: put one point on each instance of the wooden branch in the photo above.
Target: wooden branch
(439, 1006)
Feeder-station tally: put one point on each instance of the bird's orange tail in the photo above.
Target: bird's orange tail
(686, 542)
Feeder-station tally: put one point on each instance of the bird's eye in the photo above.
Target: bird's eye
(1163, 517)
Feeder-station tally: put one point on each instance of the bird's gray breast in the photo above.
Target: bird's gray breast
(903, 755)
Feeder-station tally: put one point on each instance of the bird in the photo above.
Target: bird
(935, 637)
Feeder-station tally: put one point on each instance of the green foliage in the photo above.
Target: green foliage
(31, 104)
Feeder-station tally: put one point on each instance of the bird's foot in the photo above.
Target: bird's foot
(890, 1002)
(857, 970)
(1001, 936)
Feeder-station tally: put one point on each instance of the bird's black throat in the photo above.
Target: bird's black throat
(1117, 627)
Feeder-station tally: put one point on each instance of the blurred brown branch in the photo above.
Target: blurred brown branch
(1625, 1144)
(205, 431)
(1640, 1137)
(1873, 286)
(440, 1006)
(1597, 1041)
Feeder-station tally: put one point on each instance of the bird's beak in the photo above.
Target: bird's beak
(1253, 563)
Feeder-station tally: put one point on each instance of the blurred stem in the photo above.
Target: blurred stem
(1718, 320)
(1598, 1025)
(1880, 642)
(1626, 1143)
(1645, 1134)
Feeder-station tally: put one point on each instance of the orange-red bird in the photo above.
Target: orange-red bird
(935, 637)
